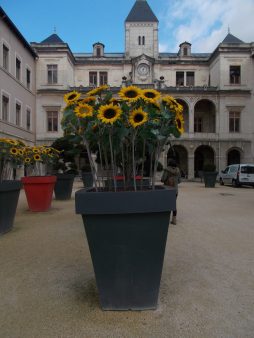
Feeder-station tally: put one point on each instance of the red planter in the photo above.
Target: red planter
(39, 191)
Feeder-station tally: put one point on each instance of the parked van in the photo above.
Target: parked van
(237, 175)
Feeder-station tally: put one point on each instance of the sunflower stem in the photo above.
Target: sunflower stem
(112, 158)
(86, 143)
(133, 161)
(100, 154)
(143, 162)
(122, 152)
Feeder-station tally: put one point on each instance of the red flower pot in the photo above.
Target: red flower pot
(39, 191)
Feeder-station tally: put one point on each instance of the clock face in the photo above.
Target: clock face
(143, 69)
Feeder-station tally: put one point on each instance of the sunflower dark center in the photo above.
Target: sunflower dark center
(109, 113)
(138, 118)
(72, 96)
(179, 124)
(150, 95)
(131, 93)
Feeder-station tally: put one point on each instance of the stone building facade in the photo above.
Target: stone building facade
(215, 89)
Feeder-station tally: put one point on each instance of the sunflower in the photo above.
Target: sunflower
(173, 105)
(109, 113)
(150, 95)
(14, 151)
(179, 121)
(138, 117)
(13, 142)
(97, 90)
(114, 101)
(35, 150)
(37, 157)
(89, 100)
(71, 97)
(27, 160)
(131, 93)
(83, 110)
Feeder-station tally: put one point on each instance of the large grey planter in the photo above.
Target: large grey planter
(127, 234)
(9, 196)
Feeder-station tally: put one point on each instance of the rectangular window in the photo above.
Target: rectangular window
(103, 78)
(18, 69)
(52, 74)
(28, 119)
(18, 114)
(234, 122)
(5, 57)
(28, 78)
(52, 121)
(198, 125)
(190, 78)
(179, 78)
(93, 79)
(5, 108)
(235, 74)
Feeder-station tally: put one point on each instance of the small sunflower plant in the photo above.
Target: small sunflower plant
(123, 129)
(11, 154)
(37, 160)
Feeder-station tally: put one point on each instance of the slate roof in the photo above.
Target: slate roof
(141, 12)
(231, 39)
(52, 39)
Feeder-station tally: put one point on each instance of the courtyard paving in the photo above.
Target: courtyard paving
(48, 290)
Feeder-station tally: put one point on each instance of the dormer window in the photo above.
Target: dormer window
(185, 49)
(98, 49)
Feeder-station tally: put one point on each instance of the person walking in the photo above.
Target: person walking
(172, 177)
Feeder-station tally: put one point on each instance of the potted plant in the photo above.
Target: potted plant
(37, 184)
(209, 174)
(126, 226)
(10, 158)
(64, 168)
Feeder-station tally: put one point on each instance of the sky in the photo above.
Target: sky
(81, 23)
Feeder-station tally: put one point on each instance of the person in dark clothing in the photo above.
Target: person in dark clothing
(171, 176)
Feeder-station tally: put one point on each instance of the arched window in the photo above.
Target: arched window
(143, 40)
(139, 40)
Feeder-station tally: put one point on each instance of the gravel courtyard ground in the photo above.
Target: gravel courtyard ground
(48, 290)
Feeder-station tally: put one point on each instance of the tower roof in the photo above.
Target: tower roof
(141, 12)
(231, 39)
(52, 39)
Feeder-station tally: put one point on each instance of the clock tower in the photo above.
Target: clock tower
(141, 32)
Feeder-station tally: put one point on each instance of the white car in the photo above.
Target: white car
(237, 175)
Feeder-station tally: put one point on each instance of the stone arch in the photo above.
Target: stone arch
(185, 114)
(204, 116)
(180, 154)
(203, 154)
(234, 156)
